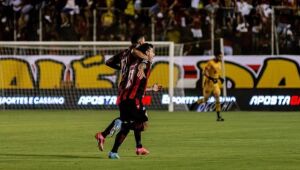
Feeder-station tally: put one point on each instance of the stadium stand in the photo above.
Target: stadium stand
(245, 25)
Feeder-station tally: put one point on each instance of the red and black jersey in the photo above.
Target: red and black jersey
(135, 87)
(122, 61)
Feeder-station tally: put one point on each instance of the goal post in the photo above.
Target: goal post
(223, 67)
(171, 77)
(69, 75)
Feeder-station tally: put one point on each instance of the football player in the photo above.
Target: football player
(211, 77)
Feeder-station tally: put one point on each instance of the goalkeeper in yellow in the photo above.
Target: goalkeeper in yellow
(211, 77)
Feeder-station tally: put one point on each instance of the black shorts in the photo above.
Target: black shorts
(132, 110)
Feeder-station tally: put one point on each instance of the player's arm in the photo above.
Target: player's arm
(139, 54)
(155, 87)
(141, 70)
(206, 70)
(114, 62)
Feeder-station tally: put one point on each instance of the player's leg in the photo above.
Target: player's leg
(112, 126)
(113, 154)
(116, 127)
(127, 109)
(100, 136)
(111, 129)
(138, 128)
(217, 93)
(138, 138)
(140, 150)
(139, 125)
(206, 92)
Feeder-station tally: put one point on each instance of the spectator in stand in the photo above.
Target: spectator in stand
(197, 4)
(86, 7)
(82, 28)
(265, 12)
(287, 36)
(242, 25)
(242, 36)
(172, 33)
(196, 28)
(66, 29)
(129, 10)
(212, 6)
(244, 7)
(106, 24)
(159, 13)
(256, 31)
(6, 21)
(227, 14)
(50, 21)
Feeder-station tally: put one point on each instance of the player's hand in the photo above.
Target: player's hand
(141, 74)
(156, 87)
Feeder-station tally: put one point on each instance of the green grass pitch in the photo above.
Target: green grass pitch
(61, 140)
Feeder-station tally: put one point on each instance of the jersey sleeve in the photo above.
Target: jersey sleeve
(115, 61)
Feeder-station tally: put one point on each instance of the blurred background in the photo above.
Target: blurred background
(248, 27)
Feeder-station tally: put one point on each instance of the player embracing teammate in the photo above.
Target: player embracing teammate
(132, 112)
(135, 64)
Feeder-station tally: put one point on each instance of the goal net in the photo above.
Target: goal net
(73, 75)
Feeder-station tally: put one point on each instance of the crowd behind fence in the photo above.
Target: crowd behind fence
(247, 26)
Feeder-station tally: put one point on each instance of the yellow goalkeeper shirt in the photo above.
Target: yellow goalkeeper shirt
(213, 69)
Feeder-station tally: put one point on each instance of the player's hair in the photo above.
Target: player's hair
(135, 38)
(144, 47)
